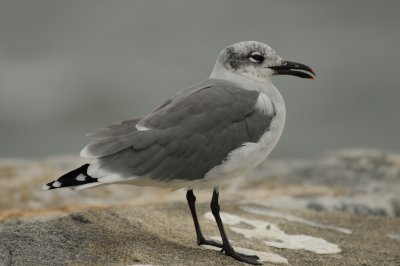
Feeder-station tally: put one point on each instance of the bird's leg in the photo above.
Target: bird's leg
(226, 246)
(191, 199)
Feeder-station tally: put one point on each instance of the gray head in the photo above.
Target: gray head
(257, 61)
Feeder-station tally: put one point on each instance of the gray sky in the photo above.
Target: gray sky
(68, 67)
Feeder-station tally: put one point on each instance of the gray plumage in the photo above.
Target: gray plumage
(188, 135)
(117, 129)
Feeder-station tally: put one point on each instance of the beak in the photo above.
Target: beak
(291, 68)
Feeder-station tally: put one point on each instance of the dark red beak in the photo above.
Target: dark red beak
(294, 69)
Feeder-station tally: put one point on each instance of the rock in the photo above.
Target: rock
(357, 181)
(164, 235)
(365, 182)
(339, 209)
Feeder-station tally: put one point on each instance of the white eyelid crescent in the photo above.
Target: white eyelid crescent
(253, 54)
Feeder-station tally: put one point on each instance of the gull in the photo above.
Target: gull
(211, 132)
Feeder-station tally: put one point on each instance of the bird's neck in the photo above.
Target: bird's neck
(246, 82)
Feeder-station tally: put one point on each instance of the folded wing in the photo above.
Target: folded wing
(185, 137)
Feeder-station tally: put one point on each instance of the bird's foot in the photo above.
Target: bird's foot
(250, 259)
(203, 241)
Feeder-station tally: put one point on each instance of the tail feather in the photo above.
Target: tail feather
(75, 178)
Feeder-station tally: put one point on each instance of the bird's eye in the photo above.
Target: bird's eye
(256, 57)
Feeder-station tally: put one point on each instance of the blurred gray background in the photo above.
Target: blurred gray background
(68, 67)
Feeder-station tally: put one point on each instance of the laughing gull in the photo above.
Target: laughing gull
(210, 132)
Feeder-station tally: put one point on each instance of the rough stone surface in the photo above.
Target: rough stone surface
(349, 198)
(164, 235)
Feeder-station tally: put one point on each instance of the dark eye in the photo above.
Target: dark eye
(256, 57)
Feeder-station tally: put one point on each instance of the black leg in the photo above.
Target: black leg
(226, 246)
(191, 199)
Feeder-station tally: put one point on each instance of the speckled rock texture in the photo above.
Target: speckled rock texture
(347, 200)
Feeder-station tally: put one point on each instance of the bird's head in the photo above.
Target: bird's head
(257, 61)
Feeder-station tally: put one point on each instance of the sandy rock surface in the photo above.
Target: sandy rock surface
(340, 209)
(164, 235)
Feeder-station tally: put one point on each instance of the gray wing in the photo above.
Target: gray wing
(187, 136)
(121, 128)
(117, 129)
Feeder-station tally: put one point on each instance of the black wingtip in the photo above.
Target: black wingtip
(71, 179)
